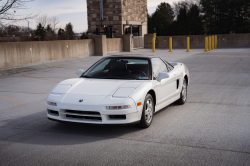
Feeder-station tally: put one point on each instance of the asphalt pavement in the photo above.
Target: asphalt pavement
(212, 128)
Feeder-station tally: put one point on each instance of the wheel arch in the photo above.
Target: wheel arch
(186, 78)
(152, 93)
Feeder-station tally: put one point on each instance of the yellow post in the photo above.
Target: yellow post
(212, 42)
(215, 44)
(153, 41)
(209, 44)
(206, 44)
(170, 44)
(188, 44)
(153, 44)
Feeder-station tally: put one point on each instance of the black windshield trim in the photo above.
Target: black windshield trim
(123, 57)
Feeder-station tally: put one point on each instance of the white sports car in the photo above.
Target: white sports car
(119, 90)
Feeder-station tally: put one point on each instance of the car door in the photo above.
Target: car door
(167, 86)
(176, 73)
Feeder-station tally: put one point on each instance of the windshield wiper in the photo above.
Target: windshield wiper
(86, 76)
(116, 78)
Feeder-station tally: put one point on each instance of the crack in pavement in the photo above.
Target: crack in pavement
(34, 77)
(61, 67)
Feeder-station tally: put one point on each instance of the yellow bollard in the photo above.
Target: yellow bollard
(206, 44)
(188, 44)
(153, 44)
(212, 42)
(209, 44)
(215, 44)
(170, 44)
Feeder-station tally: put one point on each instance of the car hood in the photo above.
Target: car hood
(83, 93)
(94, 87)
(90, 91)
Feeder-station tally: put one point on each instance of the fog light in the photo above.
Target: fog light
(117, 107)
(51, 103)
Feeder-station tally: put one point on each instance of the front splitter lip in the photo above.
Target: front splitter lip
(101, 124)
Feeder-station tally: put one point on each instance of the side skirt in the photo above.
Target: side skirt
(170, 101)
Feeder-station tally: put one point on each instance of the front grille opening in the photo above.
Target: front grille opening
(82, 112)
(83, 117)
(55, 113)
(117, 117)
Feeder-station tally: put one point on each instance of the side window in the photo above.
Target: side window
(158, 66)
(101, 66)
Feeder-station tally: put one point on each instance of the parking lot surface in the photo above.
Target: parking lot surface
(212, 128)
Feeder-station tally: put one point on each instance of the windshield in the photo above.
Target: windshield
(120, 68)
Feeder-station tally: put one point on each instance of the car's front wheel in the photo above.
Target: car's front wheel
(183, 95)
(148, 112)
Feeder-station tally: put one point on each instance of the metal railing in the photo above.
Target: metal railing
(138, 42)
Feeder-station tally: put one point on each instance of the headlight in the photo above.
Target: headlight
(51, 103)
(117, 107)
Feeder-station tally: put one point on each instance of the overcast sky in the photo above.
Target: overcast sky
(74, 11)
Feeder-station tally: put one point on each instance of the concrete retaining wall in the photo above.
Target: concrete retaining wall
(198, 40)
(22, 53)
(114, 44)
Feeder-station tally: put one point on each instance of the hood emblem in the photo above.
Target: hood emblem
(81, 100)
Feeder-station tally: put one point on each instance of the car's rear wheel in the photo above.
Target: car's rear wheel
(148, 112)
(183, 95)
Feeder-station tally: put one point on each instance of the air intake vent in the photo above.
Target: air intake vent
(82, 115)
(82, 112)
(177, 84)
(117, 117)
(54, 113)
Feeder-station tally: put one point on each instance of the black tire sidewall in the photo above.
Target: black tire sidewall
(180, 101)
(183, 101)
(143, 122)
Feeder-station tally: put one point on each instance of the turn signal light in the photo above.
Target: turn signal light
(51, 103)
(139, 104)
(117, 107)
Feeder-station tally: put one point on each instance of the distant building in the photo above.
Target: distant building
(115, 17)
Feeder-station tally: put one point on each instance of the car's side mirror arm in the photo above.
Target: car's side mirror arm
(79, 72)
(162, 75)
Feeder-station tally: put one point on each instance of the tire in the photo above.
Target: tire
(148, 112)
(183, 94)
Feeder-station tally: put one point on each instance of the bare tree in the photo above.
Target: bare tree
(9, 11)
(44, 20)
(49, 24)
(53, 22)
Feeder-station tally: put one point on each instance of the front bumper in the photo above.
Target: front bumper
(93, 114)
(87, 117)
(93, 110)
